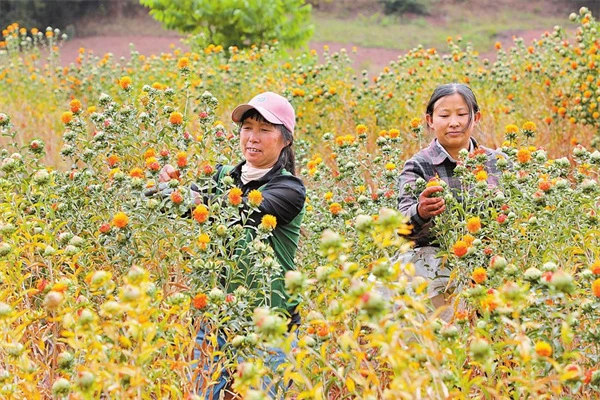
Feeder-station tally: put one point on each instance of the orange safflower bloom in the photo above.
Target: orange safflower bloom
(203, 241)
(181, 159)
(207, 169)
(200, 301)
(394, 133)
(361, 129)
(595, 267)
(75, 106)
(152, 164)
(435, 181)
(596, 287)
(545, 185)
(136, 173)
(489, 302)
(543, 349)
(460, 248)
(468, 239)
(335, 208)
(176, 197)
(511, 129)
(390, 166)
(415, 123)
(66, 117)
(473, 224)
(235, 196)
(479, 275)
(523, 155)
(255, 198)
(120, 220)
(149, 153)
(200, 214)
(268, 222)
(125, 82)
(529, 126)
(112, 160)
(176, 118)
(323, 330)
(183, 63)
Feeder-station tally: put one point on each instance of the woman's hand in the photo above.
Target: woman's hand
(429, 206)
(167, 173)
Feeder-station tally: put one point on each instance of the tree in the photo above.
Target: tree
(240, 23)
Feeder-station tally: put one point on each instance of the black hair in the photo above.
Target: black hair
(449, 89)
(287, 157)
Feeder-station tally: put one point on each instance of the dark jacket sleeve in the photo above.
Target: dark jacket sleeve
(283, 197)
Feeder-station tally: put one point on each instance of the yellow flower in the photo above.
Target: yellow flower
(473, 224)
(511, 129)
(120, 220)
(361, 129)
(543, 349)
(390, 166)
(255, 198)
(523, 155)
(149, 153)
(183, 63)
(125, 82)
(394, 133)
(415, 123)
(328, 196)
(203, 241)
(268, 222)
(481, 176)
(529, 126)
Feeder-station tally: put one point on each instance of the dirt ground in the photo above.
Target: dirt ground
(372, 59)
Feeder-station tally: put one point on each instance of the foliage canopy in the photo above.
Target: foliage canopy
(237, 23)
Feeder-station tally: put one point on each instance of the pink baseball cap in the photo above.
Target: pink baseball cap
(273, 107)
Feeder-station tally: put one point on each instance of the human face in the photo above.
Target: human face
(261, 143)
(450, 123)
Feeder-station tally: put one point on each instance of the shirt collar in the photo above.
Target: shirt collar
(440, 153)
(236, 173)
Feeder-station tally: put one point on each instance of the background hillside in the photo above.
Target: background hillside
(111, 26)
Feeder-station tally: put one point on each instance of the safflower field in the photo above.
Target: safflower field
(102, 287)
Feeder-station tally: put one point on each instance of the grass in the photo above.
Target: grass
(480, 23)
(404, 33)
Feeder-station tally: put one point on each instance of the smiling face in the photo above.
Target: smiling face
(261, 143)
(453, 123)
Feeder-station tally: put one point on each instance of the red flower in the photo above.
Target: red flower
(200, 301)
(176, 197)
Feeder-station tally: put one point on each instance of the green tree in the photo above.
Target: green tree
(239, 23)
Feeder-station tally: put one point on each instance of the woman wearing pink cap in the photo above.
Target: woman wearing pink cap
(266, 126)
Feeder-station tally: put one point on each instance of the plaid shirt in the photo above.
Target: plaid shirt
(426, 164)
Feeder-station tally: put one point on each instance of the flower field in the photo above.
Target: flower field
(102, 286)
